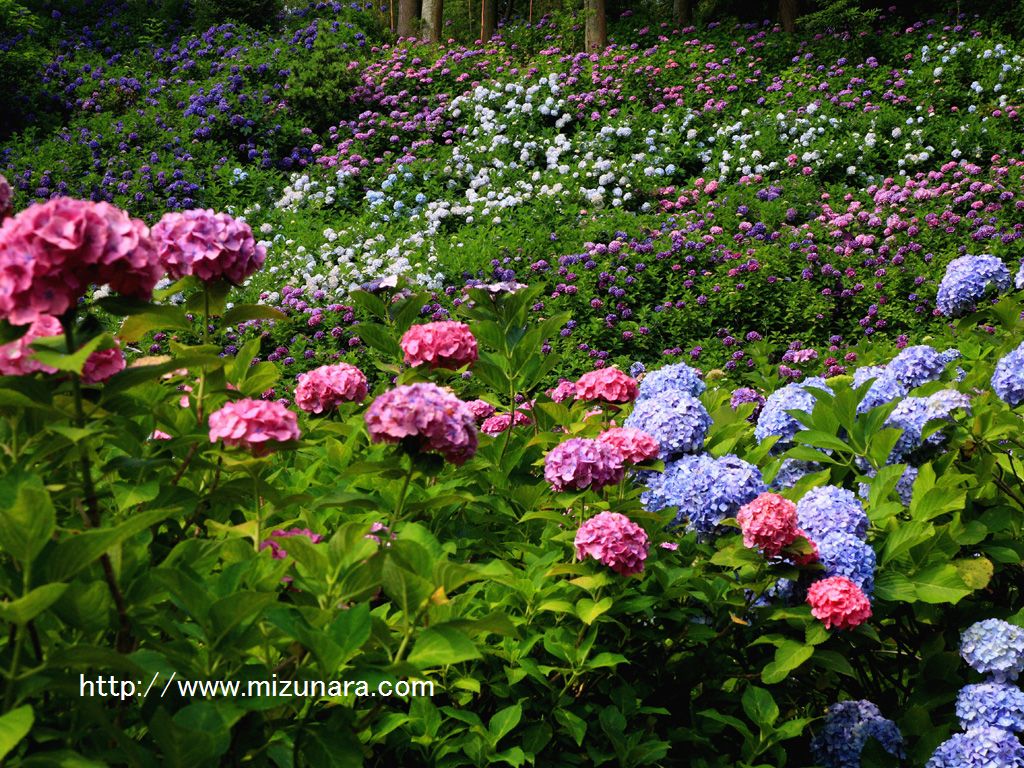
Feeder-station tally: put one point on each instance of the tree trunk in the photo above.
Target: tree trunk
(788, 11)
(433, 20)
(683, 12)
(596, 26)
(408, 12)
(488, 19)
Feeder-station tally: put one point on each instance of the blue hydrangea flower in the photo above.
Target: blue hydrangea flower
(704, 489)
(678, 421)
(918, 365)
(950, 355)
(1019, 282)
(968, 280)
(910, 415)
(994, 647)
(636, 369)
(885, 389)
(790, 472)
(775, 421)
(999, 705)
(863, 374)
(843, 554)
(904, 487)
(848, 726)
(828, 509)
(942, 405)
(1008, 379)
(979, 748)
(678, 377)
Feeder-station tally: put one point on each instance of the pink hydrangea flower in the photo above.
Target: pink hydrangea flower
(208, 245)
(16, 357)
(481, 409)
(51, 252)
(445, 344)
(615, 540)
(768, 523)
(806, 558)
(380, 528)
(326, 387)
(280, 553)
(157, 434)
(495, 425)
(609, 385)
(425, 417)
(6, 199)
(101, 365)
(254, 425)
(580, 463)
(838, 602)
(635, 445)
(566, 390)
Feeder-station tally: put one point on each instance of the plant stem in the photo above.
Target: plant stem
(259, 510)
(400, 504)
(19, 634)
(92, 508)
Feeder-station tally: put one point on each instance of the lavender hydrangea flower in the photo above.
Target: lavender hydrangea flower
(747, 395)
(677, 420)
(917, 365)
(998, 705)
(1019, 282)
(843, 554)
(865, 373)
(979, 748)
(678, 377)
(828, 509)
(910, 415)
(968, 280)
(775, 421)
(790, 472)
(1008, 379)
(885, 389)
(994, 647)
(848, 726)
(673, 486)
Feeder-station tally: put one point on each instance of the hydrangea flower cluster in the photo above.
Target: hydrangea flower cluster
(768, 523)
(918, 365)
(848, 726)
(774, 419)
(678, 377)
(277, 551)
(327, 387)
(609, 385)
(481, 409)
(615, 540)
(747, 395)
(828, 509)
(993, 711)
(500, 422)
(842, 554)
(255, 425)
(51, 252)
(704, 489)
(677, 420)
(564, 390)
(838, 602)
(968, 280)
(6, 199)
(444, 344)
(100, 366)
(1008, 379)
(16, 357)
(424, 417)
(580, 463)
(913, 413)
(208, 245)
(635, 446)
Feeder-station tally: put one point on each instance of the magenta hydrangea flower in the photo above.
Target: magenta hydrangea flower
(6, 199)
(255, 425)
(16, 357)
(635, 445)
(481, 409)
(838, 602)
(327, 387)
(615, 540)
(51, 252)
(580, 463)
(768, 523)
(424, 417)
(609, 385)
(565, 390)
(445, 344)
(277, 551)
(208, 245)
(101, 365)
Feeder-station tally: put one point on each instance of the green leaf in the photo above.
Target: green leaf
(588, 610)
(380, 338)
(14, 726)
(940, 584)
(27, 520)
(24, 609)
(820, 439)
(242, 312)
(504, 721)
(442, 645)
(895, 587)
(906, 536)
(156, 318)
(788, 657)
(760, 706)
(576, 725)
(976, 572)
(369, 302)
(48, 352)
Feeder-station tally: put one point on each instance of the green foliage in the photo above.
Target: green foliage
(320, 89)
(254, 13)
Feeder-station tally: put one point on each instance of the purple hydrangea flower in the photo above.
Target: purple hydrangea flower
(968, 280)
(848, 726)
(999, 705)
(994, 647)
(979, 748)
(828, 509)
(748, 395)
(580, 463)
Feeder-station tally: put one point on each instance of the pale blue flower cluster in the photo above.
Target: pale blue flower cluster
(677, 420)
(828, 509)
(790, 472)
(968, 280)
(671, 379)
(994, 647)
(774, 419)
(848, 726)
(979, 748)
(843, 554)
(997, 705)
(1008, 379)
